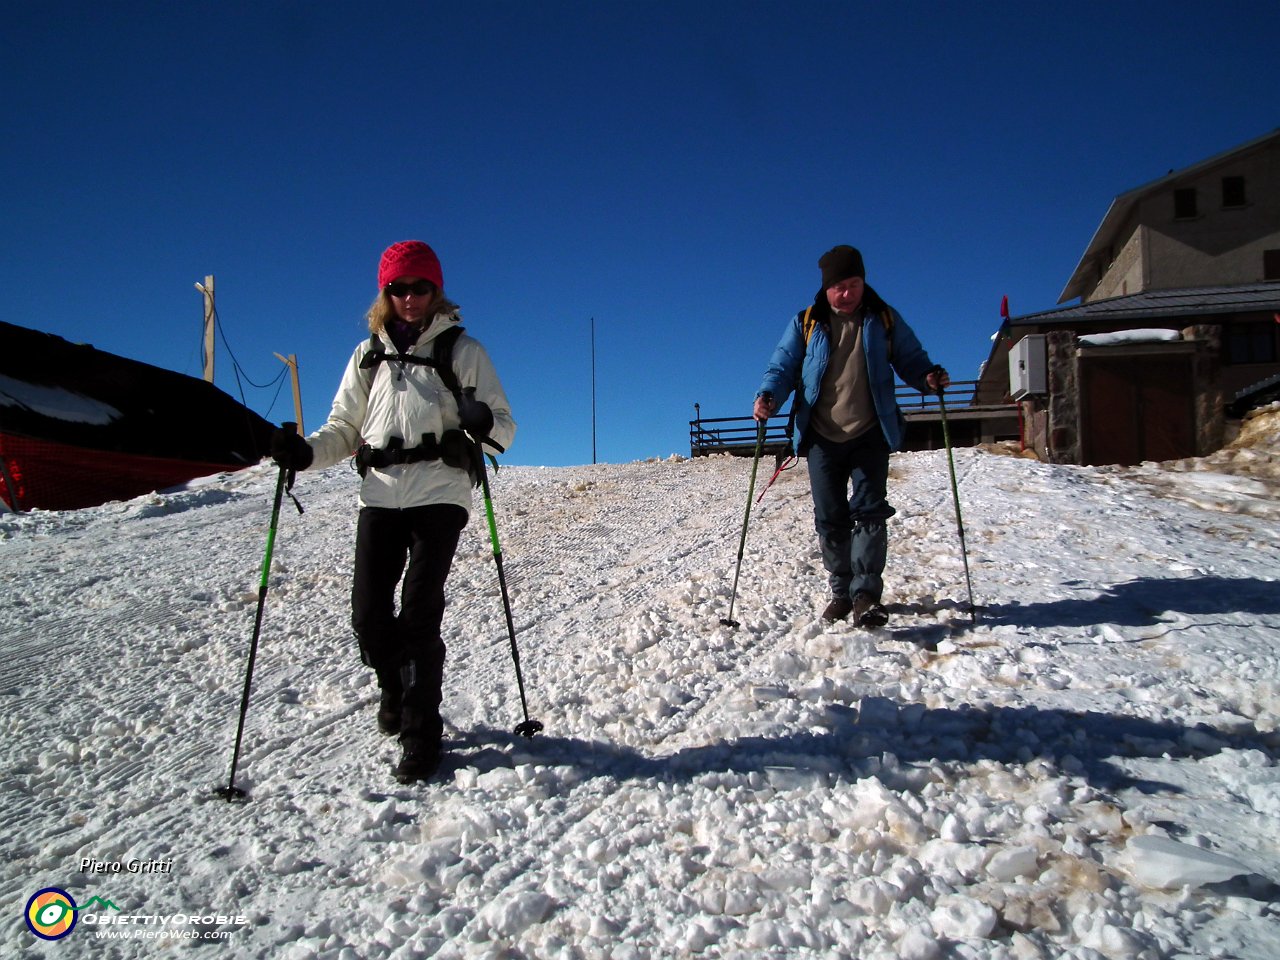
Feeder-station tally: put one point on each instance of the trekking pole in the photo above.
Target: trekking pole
(787, 458)
(528, 727)
(955, 496)
(742, 543)
(231, 791)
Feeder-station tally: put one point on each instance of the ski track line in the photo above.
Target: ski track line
(788, 529)
(613, 521)
(190, 766)
(525, 869)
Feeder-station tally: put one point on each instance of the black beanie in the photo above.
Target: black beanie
(840, 263)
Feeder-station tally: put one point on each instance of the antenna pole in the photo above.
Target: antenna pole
(593, 389)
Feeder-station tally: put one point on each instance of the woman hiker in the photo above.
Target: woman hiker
(403, 419)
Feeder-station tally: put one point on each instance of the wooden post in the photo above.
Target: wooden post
(292, 362)
(206, 289)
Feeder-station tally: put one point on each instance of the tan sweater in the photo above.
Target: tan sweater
(844, 409)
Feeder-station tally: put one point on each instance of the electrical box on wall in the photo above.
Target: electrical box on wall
(1027, 376)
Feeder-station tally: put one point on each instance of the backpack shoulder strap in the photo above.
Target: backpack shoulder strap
(369, 362)
(809, 321)
(442, 359)
(886, 318)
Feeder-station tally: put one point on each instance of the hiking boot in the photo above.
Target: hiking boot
(867, 611)
(419, 762)
(389, 710)
(837, 609)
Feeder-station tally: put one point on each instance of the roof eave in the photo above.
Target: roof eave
(1120, 208)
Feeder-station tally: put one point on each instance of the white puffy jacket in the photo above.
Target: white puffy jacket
(406, 401)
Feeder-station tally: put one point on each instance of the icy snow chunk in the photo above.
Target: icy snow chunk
(790, 778)
(953, 829)
(511, 916)
(1105, 933)
(1265, 798)
(1157, 861)
(873, 896)
(763, 934)
(959, 918)
(878, 712)
(918, 944)
(742, 898)
(789, 665)
(767, 693)
(286, 863)
(952, 862)
(380, 816)
(785, 878)
(495, 780)
(1013, 862)
(430, 860)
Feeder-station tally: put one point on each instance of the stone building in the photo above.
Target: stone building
(1178, 324)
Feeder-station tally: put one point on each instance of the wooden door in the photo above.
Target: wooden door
(1136, 408)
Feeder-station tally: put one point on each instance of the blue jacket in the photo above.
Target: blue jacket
(792, 365)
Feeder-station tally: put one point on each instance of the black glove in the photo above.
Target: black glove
(290, 451)
(474, 415)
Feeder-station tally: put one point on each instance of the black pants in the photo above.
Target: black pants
(406, 647)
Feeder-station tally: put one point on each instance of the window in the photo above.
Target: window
(1184, 204)
(1252, 342)
(1233, 192)
(1271, 264)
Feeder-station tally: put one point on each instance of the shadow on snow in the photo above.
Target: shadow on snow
(894, 743)
(1143, 602)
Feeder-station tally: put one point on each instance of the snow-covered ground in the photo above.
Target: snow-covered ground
(1088, 772)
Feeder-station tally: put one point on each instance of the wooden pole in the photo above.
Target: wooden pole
(206, 289)
(292, 362)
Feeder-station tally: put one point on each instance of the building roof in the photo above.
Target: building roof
(1122, 205)
(1137, 309)
(1164, 304)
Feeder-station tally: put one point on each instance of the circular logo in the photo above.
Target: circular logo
(51, 914)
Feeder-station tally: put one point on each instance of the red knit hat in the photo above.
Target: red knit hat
(409, 258)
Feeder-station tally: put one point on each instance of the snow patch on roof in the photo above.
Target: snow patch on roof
(57, 402)
(1129, 336)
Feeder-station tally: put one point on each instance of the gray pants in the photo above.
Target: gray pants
(851, 525)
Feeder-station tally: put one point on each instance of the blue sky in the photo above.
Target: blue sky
(671, 169)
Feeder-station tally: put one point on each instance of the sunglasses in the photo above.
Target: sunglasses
(419, 288)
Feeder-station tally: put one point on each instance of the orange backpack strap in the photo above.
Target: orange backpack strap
(807, 324)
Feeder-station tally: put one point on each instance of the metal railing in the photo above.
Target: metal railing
(738, 434)
(959, 394)
(734, 435)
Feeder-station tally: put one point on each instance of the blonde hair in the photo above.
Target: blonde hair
(381, 310)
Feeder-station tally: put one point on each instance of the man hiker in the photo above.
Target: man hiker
(840, 356)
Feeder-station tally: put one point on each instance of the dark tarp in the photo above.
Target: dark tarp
(73, 416)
